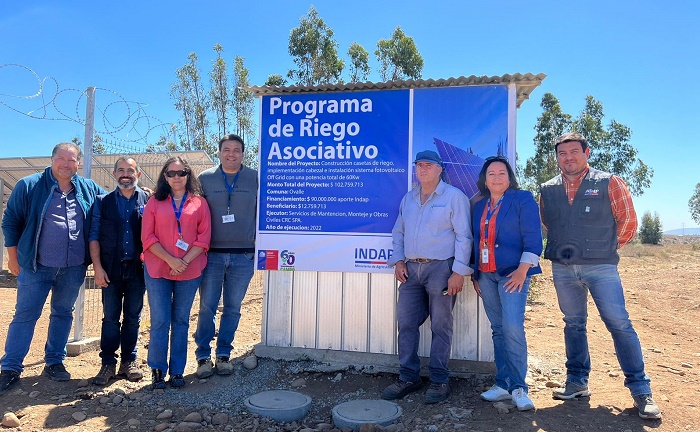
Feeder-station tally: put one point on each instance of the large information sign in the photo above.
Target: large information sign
(333, 170)
(335, 166)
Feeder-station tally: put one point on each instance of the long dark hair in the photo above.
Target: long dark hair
(481, 182)
(163, 188)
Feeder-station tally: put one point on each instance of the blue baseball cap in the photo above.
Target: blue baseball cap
(428, 156)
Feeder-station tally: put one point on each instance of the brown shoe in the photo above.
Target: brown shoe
(131, 371)
(400, 389)
(224, 366)
(437, 392)
(106, 373)
(205, 368)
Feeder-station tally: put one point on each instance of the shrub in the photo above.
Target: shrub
(650, 231)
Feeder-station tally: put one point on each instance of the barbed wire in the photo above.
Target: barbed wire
(123, 120)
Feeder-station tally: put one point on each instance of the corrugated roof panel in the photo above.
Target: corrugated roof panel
(525, 84)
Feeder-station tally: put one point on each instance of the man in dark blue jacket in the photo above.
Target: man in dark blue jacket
(45, 225)
(115, 249)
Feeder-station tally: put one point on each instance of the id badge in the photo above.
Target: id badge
(181, 244)
(228, 218)
(485, 256)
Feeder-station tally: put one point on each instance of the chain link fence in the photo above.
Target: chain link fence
(92, 305)
(88, 313)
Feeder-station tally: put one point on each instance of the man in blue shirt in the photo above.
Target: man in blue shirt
(45, 225)
(432, 243)
(115, 249)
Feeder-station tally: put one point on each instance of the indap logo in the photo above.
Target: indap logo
(288, 258)
(372, 256)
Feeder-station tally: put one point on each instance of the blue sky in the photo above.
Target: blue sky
(637, 57)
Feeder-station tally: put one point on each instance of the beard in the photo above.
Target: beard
(132, 184)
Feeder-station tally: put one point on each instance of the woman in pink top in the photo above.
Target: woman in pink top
(176, 233)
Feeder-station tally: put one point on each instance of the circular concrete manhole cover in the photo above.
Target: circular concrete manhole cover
(280, 405)
(355, 413)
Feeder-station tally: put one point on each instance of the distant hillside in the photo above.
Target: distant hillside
(684, 231)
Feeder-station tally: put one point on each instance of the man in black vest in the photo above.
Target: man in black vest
(115, 249)
(589, 215)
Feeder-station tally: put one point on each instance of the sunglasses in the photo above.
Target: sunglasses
(180, 173)
(496, 158)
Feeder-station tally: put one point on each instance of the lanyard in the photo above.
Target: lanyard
(178, 212)
(229, 188)
(490, 213)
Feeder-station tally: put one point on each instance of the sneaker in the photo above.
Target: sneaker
(521, 400)
(647, 407)
(400, 389)
(106, 373)
(205, 368)
(224, 366)
(57, 372)
(8, 379)
(437, 392)
(131, 371)
(570, 391)
(495, 394)
(158, 381)
(177, 381)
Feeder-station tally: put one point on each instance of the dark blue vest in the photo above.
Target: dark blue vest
(112, 232)
(584, 232)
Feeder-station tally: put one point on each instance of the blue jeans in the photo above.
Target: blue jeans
(506, 311)
(421, 297)
(170, 303)
(230, 273)
(573, 282)
(123, 294)
(32, 290)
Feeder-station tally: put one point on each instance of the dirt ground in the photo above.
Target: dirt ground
(661, 284)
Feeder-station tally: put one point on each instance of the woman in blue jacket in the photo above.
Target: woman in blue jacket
(507, 247)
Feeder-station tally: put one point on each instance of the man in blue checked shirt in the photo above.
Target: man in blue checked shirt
(432, 243)
(115, 249)
(45, 224)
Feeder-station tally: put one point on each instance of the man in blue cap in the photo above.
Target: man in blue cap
(432, 243)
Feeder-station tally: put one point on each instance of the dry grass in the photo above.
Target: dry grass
(638, 250)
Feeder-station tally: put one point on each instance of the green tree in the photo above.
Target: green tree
(164, 143)
(275, 80)
(315, 52)
(611, 149)
(97, 144)
(180, 92)
(552, 123)
(650, 230)
(218, 92)
(192, 100)
(398, 57)
(694, 204)
(359, 63)
(243, 109)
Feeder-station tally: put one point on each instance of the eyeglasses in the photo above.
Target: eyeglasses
(496, 158)
(180, 173)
